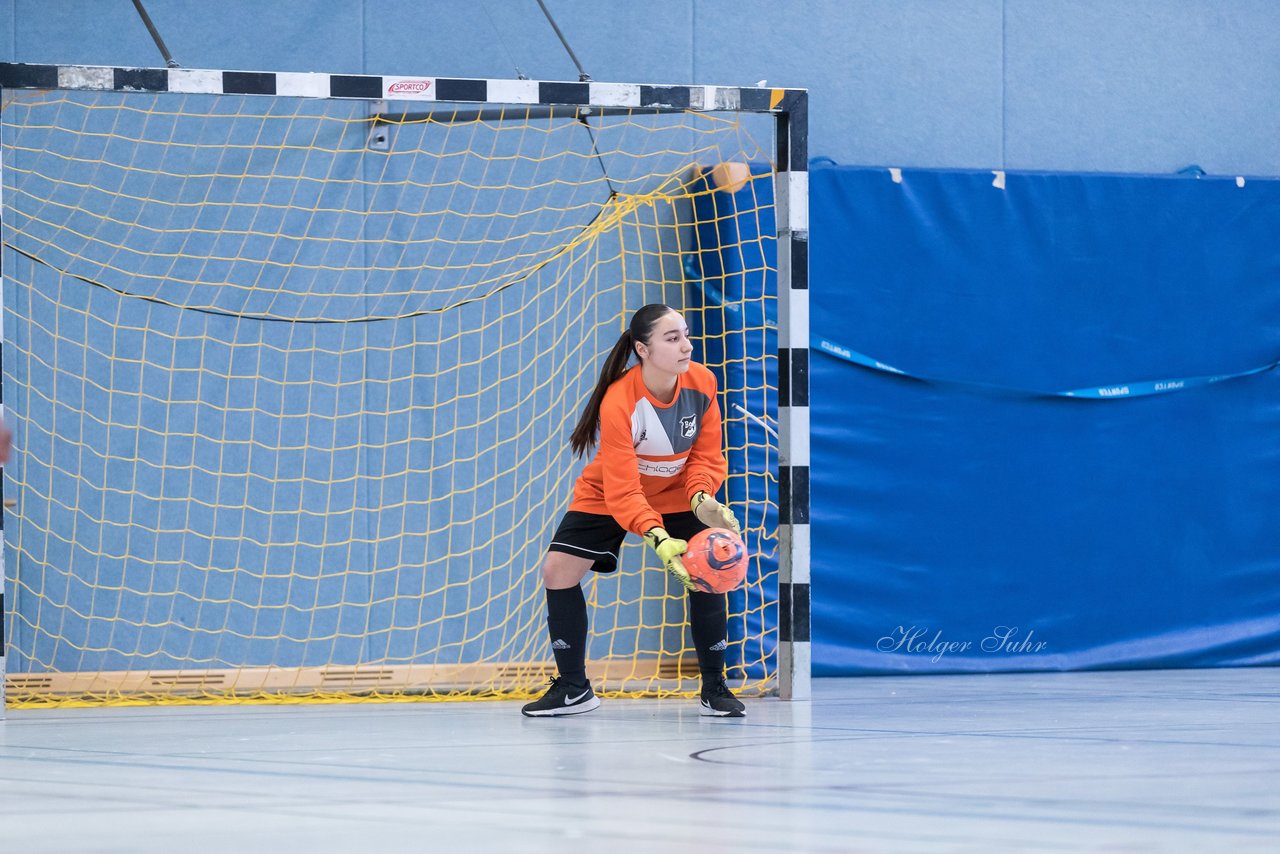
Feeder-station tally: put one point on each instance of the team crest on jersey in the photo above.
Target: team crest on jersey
(688, 426)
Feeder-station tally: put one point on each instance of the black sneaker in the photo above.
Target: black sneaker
(563, 699)
(718, 701)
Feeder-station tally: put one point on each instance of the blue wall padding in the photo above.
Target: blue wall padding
(733, 293)
(1044, 533)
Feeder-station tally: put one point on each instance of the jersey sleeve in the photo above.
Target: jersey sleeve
(623, 494)
(707, 467)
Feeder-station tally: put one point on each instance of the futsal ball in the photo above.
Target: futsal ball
(716, 560)
(730, 177)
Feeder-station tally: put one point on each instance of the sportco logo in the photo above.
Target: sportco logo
(403, 86)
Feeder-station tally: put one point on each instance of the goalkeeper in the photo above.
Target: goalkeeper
(655, 473)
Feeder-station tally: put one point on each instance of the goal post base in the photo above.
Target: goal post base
(650, 678)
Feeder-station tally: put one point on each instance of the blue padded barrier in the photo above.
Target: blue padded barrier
(967, 517)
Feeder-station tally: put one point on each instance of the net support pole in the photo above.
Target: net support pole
(583, 76)
(169, 61)
(792, 199)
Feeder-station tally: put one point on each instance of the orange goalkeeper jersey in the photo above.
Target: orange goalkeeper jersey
(653, 456)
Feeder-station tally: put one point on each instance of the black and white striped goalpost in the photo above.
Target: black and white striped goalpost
(792, 195)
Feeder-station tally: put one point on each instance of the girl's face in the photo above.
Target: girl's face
(668, 348)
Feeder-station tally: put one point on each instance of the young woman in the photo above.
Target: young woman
(657, 467)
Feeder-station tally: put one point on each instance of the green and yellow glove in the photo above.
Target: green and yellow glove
(712, 513)
(669, 550)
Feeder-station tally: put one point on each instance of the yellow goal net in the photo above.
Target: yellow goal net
(291, 363)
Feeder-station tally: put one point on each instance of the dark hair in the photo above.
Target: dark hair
(640, 329)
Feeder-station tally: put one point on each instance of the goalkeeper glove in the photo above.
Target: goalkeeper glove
(669, 550)
(712, 513)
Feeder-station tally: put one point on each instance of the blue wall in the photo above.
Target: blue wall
(1064, 85)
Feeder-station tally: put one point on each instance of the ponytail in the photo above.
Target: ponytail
(584, 434)
(583, 437)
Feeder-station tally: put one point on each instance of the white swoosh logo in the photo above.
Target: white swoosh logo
(569, 701)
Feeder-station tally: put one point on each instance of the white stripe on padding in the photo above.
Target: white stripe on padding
(793, 434)
(798, 333)
(791, 191)
(513, 91)
(794, 541)
(302, 84)
(795, 661)
(615, 94)
(798, 201)
(793, 308)
(85, 77)
(194, 80)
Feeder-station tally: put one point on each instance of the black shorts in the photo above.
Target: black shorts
(597, 537)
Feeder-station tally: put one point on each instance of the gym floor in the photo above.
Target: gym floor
(1136, 761)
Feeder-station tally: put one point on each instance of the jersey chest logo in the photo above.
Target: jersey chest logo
(669, 430)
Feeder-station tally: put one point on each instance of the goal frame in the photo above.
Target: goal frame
(789, 108)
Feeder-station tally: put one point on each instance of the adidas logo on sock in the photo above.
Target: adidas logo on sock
(559, 644)
(720, 647)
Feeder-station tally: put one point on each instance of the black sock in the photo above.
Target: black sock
(567, 623)
(709, 622)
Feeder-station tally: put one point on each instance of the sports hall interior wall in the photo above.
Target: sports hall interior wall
(1146, 86)
(1136, 87)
